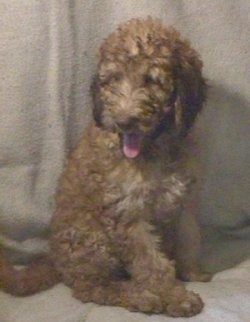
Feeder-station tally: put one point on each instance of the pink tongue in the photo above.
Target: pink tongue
(131, 145)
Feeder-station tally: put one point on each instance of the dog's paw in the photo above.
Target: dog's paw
(148, 303)
(189, 305)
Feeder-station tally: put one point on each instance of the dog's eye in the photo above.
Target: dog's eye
(113, 77)
(148, 79)
(116, 76)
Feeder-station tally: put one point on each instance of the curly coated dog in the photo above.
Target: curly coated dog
(124, 228)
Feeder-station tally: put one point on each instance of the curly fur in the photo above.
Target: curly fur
(125, 202)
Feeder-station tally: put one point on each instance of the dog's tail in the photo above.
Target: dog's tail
(38, 276)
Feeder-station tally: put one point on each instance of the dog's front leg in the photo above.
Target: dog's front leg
(142, 255)
(152, 270)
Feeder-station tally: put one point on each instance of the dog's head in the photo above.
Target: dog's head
(149, 81)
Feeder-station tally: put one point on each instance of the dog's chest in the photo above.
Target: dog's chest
(149, 192)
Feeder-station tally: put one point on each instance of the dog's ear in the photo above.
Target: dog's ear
(190, 88)
(97, 104)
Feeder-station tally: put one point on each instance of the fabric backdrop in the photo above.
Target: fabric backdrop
(48, 54)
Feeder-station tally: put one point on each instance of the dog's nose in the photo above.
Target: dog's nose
(126, 124)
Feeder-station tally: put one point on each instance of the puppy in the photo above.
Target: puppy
(124, 224)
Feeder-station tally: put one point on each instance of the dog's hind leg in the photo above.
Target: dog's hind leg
(188, 243)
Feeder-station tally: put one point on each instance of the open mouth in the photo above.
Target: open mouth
(131, 144)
